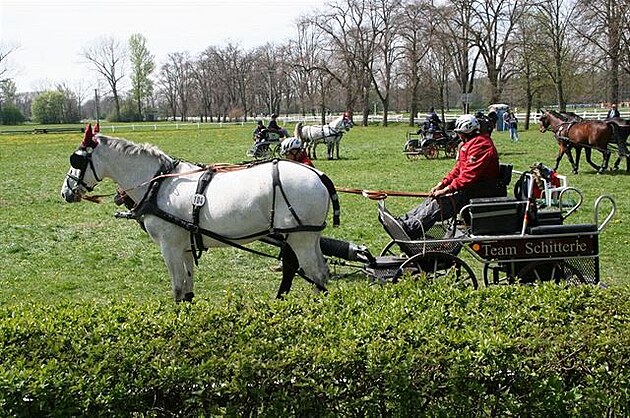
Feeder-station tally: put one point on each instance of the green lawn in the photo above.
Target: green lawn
(53, 251)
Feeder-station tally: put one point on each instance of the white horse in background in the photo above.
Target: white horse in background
(240, 205)
(331, 134)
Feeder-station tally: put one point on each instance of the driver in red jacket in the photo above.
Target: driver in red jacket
(476, 174)
(291, 149)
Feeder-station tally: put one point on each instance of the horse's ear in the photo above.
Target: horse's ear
(88, 136)
(96, 129)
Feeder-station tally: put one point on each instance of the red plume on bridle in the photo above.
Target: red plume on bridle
(96, 129)
(88, 137)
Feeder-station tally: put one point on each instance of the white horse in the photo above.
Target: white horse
(280, 199)
(331, 134)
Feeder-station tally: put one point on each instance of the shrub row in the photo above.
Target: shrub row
(407, 350)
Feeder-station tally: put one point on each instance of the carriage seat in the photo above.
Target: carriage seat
(391, 225)
(413, 247)
(562, 229)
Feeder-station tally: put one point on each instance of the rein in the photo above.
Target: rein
(98, 198)
(381, 194)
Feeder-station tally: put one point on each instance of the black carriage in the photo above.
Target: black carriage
(515, 240)
(429, 142)
(266, 145)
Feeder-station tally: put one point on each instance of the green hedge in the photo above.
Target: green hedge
(406, 350)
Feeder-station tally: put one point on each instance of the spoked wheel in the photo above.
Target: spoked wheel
(275, 150)
(430, 152)
(387, 250)
(437, 265)
(415, 155)
(411, 152)
(496, 274)
(557, 271)
(451, 150)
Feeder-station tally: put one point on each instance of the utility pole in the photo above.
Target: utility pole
(96, 104)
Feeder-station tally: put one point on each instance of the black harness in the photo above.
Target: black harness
(148, 206)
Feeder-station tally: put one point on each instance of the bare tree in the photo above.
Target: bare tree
(603, 23)
(5, 51)
(342, 27)
(313, 79)
(456, 38)
(179, 82)
(493, 30)
(107, 56)
(554, 52)
(385, 16)
(168, 88)
(205, 77)
(416, 32)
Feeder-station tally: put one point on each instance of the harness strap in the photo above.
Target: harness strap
(148, 205)
(277, 184)
(199, 200)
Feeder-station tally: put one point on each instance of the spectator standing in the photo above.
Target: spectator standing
(613, 112)
(513, 126)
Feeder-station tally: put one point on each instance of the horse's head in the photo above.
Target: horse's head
(346, 121)
(81, 177)
(543, 120)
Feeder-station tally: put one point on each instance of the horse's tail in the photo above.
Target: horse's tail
(334, 198)
(298, 130)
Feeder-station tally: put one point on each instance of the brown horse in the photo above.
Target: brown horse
(588, 134)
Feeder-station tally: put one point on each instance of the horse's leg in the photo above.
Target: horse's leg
(561, 151)
(290, 266)
(575, 163)
(568, 150)
(180, 266)
(605, 160)
(310, 258)
(336, 144)
(314, 149)
(330, 148)
(174, 245)
(588, 151)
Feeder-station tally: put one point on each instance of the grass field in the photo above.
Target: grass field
(53, 251)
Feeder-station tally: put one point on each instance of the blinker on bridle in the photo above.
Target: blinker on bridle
(82, 158)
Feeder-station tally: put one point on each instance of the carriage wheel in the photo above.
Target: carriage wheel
(430, 152)
(437, 265)
(495, 274)
(387, 250)
(451, 150)
(275, 152)
(557, 271)
(411, 152)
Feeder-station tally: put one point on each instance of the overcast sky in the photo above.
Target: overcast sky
(51, 34)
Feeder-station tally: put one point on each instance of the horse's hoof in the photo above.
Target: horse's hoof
(188, 297)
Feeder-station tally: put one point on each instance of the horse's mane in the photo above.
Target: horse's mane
(127, 147)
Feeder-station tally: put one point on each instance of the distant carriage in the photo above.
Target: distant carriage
(266, 145)
(330, 134)
(429, 143)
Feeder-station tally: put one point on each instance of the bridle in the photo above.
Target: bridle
(80, 160)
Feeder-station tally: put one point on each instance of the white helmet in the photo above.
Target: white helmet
(467, 124)
(290, 144)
